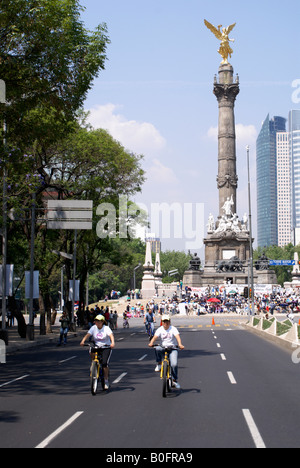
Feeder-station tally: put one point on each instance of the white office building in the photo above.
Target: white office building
(294, 144)
(284, 189)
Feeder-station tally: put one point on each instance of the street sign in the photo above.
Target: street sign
(282, 262)
(70, 214)
(36, 287)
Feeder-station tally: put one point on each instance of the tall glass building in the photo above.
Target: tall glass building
(266, 176)
(294, 136)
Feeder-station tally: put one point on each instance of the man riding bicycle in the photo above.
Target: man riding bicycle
(103, 338)
(170, 338)
(149, 321)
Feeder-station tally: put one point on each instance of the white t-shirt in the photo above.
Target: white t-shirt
(167, 337)
(101, 337)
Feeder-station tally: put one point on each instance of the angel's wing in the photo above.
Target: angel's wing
(230, 28)
(214, 30)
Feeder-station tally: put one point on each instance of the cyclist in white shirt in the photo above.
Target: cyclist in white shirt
(102, 337)
(170, 338)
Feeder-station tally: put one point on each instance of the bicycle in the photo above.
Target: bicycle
(97, 374)
(149, 330)
(125, 323)
(166, 372)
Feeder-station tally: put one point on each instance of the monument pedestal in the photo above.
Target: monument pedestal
(148, 283)
(223, 246)
(193, 279)
(266, 277)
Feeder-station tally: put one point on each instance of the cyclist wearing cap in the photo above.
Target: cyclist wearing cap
(102, 337)
(170, 338)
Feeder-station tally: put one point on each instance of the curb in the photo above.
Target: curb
(23, 345)
(276, 340)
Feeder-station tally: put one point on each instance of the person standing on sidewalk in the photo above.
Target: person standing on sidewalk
(64, 328)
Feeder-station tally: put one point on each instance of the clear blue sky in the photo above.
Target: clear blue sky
(155, 95)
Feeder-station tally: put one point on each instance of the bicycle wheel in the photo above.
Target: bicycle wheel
(165, 387)
(94, 378)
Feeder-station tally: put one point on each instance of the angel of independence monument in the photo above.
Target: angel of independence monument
(227, 245)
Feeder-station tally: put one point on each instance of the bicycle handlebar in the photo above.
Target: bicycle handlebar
(92, 346)
(166, 348)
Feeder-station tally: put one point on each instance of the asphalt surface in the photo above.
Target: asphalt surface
(238, 391)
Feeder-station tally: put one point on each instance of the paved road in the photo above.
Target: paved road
(237, 391)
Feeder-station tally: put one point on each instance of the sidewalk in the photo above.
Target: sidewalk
(15, 343)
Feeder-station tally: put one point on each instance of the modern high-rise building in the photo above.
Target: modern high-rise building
(278, 181)
(266, 170)
(294, 142)
(284, 189)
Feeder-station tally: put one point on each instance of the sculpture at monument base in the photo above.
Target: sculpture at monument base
(232, 265)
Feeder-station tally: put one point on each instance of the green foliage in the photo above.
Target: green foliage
(47, 59)
(172, 260)
(279, 253)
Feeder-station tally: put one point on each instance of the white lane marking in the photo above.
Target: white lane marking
(231, 378)
(259, 443)
(223, 357)
(15, 380)
(118, 380)
(143, 357)
(218, 345)
(69, 359)
(59, 430)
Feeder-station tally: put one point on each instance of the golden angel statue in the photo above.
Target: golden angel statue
(223, 35)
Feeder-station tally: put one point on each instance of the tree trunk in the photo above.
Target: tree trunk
(16, 312)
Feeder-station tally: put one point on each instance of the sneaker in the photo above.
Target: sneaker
(106, 386)
(158, 368)
(176, 385)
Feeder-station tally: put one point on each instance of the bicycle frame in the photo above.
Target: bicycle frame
(96, 360)
(167, 361)
(95, 376)
(149, 329)
(166, 374)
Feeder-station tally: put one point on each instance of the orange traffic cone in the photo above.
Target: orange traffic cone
(213, 321)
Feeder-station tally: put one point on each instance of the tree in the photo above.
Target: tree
(87, 164)
(48, 61)
(275, 252)
(172, 260)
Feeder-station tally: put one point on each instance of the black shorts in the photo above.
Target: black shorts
(105, 353)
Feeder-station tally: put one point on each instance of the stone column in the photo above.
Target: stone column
(148, 283)
(226, 92)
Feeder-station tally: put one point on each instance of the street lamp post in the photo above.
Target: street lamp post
(250, 232)
(30, 326)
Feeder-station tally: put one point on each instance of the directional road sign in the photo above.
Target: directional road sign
(282, 263)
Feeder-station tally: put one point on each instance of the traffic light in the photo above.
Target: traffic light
(246, 292)
(250, 293)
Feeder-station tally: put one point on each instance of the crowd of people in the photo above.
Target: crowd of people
(111, 317)
(220, 300)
